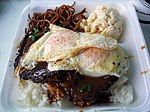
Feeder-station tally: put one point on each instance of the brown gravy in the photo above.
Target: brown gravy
(80, 89)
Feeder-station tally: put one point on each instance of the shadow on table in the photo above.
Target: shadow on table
(2, 6)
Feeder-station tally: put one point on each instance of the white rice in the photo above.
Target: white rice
(34, 94)
(121, 92)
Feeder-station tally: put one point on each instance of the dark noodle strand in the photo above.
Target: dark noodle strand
(63, 16)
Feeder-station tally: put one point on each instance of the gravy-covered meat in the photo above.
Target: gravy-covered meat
(80, 89)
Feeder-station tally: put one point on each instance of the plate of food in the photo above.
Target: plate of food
(77, 56)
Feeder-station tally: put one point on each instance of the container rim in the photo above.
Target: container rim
(147, 102)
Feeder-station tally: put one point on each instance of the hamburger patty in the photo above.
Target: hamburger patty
(80, 89)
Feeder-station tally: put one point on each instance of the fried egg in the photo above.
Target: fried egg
(95, 62)
(98, 62)
(61, 44)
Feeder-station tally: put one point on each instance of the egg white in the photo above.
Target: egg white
(62, 44)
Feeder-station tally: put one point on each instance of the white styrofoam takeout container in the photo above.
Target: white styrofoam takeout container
(132, 40)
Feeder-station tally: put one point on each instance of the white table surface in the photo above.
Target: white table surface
(9, 16)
